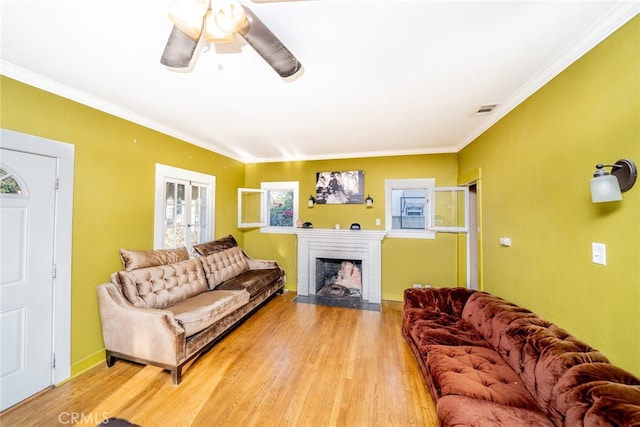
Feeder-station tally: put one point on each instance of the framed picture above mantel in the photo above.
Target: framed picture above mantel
(340, 187)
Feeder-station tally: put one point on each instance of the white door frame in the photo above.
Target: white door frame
(64, 153)
(473, 273)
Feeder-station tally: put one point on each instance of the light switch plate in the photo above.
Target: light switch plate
(599, 253)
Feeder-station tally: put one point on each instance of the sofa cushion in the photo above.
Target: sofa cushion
(201, 311)
(163, 286)
(461, 411)
(491, 315)
(253, 281)
(478, 373)
(537, 350)
(132, 260)
(438, 328)
(224, 265)
(596, 394)
(214, 246)
(548, 352)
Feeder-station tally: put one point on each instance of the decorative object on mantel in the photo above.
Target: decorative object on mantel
(311, 202)
(307, 225)
(340, 188)
(368, 201)
(355, 226)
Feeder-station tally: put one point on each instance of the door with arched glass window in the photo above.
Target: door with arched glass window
(27, 212)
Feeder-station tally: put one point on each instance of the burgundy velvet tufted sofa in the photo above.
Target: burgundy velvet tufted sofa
(488, 362)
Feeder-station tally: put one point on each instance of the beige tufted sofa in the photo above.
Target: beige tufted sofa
(164, 309)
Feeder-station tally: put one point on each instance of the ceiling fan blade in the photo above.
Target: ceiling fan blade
(179, 50)
(269, 46)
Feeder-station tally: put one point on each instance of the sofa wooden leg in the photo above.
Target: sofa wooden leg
(110, 359)
(176, 375)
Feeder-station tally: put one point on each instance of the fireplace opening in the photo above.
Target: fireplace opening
(339, 278)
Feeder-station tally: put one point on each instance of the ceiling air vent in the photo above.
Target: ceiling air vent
(485, 109)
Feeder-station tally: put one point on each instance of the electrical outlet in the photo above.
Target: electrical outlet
(377, 221)
(417, 285)
(505, 241)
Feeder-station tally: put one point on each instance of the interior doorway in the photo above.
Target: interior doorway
(473, 239)
(470, 249)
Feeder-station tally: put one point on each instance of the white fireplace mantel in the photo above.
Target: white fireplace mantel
(364, 245)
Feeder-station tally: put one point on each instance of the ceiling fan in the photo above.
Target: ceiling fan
(216, 21)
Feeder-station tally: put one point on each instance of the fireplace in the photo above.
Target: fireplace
(318, 249)
(339, 278)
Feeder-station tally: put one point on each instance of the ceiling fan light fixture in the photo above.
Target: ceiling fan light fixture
(188, 15)
(213, 33)
(229, 15)
(191, 19)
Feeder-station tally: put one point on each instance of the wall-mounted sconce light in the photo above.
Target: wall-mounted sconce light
(368, 201)
(608, 187)
(311, 202)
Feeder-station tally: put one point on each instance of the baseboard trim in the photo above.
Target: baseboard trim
(85, 364)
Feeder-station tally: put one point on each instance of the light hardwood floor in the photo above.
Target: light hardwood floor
(290, 364)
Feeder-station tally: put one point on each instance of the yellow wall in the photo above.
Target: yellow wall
(113, 192)
(536, 164)
(404, 261)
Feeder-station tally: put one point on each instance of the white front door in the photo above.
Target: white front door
(27, 221)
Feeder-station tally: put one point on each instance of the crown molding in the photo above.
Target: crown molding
(616, 18)
(51, 86)
(611, 22)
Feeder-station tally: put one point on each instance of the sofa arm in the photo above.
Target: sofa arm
(447, 300)
(259, 264)
(144, 333)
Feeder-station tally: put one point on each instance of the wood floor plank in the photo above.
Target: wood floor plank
(290, 364)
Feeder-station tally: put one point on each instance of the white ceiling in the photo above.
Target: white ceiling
(380, 77)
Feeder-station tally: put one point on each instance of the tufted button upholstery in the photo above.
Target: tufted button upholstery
(163, 286)
(462, 411)
(479, 373)
(596, 394)
(441, 328)
(446, 300)
(490, 362)
(224, 265)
